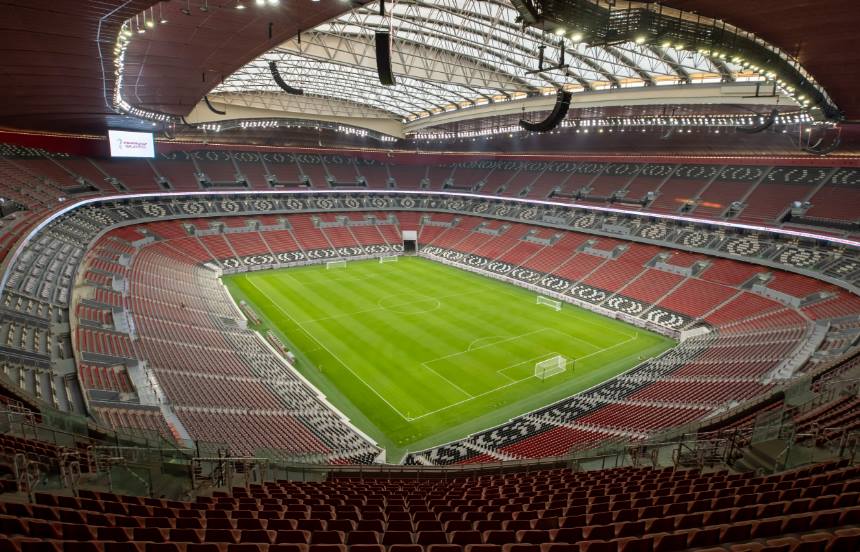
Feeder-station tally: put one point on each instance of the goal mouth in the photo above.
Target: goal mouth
(335, 264)
(388, 259)
(550, 367)
(547, 302)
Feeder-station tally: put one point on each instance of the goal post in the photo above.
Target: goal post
(550, 367)
(335, 264)
(388, 259)
(551, 303)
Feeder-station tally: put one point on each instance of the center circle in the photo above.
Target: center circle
(409, 304)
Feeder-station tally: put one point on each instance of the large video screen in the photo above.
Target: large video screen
(131, 144)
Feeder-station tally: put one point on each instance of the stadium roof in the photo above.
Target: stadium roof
(451, 54)
(57, 56)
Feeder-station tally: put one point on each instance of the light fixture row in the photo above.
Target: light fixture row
(621, 123)
(275, 123)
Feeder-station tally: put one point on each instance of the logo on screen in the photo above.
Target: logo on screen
(123, 144)
(130, 144)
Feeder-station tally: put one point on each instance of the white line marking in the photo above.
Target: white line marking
(575, 338)
(620, 343)
(485, 346)
(345, 365)
(380, 308)
(515, 382)
(326, 281)
(545, 356)
(474, 341)
(458, 403)
(457, 387)
(602, 326)
(425, 364)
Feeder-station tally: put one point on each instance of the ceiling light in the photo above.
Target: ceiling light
(641, 39)
(240, 5)
(161, 18)
(274, 2)
(260, 2)
(559, 31)
(667, 44)
(576, 37)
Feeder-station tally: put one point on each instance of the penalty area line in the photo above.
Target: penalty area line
(334, 356)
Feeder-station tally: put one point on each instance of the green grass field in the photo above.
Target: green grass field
(417, 353)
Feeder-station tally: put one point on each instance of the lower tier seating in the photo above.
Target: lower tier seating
(616, 510)
(216, 375)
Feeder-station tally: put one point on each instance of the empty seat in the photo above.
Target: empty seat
(443, 548)
(499, 537)
(288, 547)
(326, 537)
(362, 537)
(520, 547)
(426, 538)
(365, 548)
(462, 538)
(256, 536)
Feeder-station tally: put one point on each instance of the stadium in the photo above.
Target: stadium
(429, 276)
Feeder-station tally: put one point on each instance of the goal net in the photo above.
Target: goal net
(550, 367)
(552, 303)
(335, 264)
(388, 259)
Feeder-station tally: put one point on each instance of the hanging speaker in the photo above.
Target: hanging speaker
(383, 58)
(559, 112)
(280, 82)
(212, 108)
(764, 125)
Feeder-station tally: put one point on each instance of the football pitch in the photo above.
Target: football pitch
(417, 353)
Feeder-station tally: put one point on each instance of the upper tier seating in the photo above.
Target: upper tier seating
(764, 193)
(838, 199)
(782, 186)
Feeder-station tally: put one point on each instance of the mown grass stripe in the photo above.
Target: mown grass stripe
(379, 331)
